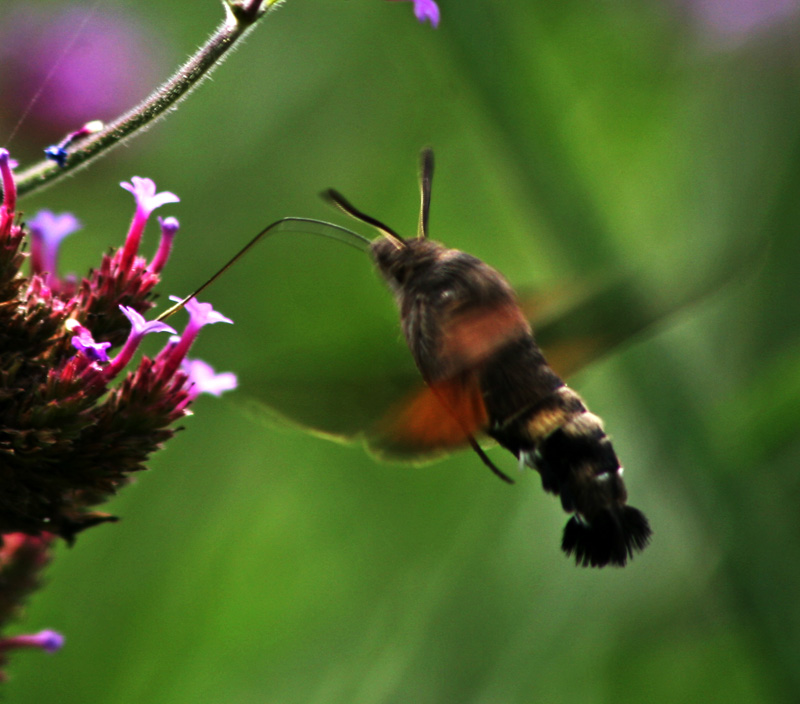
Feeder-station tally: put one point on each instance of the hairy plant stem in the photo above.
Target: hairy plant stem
(240, 17)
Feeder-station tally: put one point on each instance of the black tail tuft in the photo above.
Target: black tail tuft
(611, 538)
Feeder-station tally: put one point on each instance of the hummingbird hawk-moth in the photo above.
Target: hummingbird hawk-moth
(485, 375)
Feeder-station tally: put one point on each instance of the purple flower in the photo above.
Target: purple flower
(47, 232)
(203, 380)
(200, 314)
(9, 184)
(49, 641)
(84, 342)
(58, 152)
(736, 19)
(169, 228)
(90, 435)
(427, 10)
(139, 328)
(147, 200)
(114, 63)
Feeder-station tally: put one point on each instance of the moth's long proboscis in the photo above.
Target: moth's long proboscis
(290, 224)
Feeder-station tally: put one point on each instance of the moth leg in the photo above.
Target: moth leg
(491, 465)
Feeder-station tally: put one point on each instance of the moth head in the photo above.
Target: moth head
(406, 262)
(399, 260)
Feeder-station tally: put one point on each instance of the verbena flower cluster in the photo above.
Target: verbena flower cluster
(74, 424)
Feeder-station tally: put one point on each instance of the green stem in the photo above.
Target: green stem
(240, 17)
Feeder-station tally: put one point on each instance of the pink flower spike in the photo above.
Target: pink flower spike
(147, 200)
(47, 232)
(139, 328)
(47, 640)
(9, 185)
(427, 10)
(169, 228)
(203, 380)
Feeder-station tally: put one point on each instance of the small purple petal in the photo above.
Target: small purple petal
(50, 641)
(47, 232)
(144, 190)
(9, 185)
(169, 228)
(141, 327)
(53, 228)
(203, 379)
(57, 154)
(427, 10)
(96, 351)
(202, 314)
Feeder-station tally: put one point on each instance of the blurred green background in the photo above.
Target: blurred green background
(574, 140)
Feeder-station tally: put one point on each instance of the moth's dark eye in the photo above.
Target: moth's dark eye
(400, 272)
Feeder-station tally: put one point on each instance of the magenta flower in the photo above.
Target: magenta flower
(47, 232)
(200, 315)
(734, 20)
(147, 200)
(49, 641)
(58, 152)
(203, 380)
(139, 328)
(9, 185)
(84, 342)
(169, 228)
(426, 10)
(95, 77)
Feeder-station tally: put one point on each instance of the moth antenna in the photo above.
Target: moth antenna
(425, 182)
(339, 201)
(310, 225)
